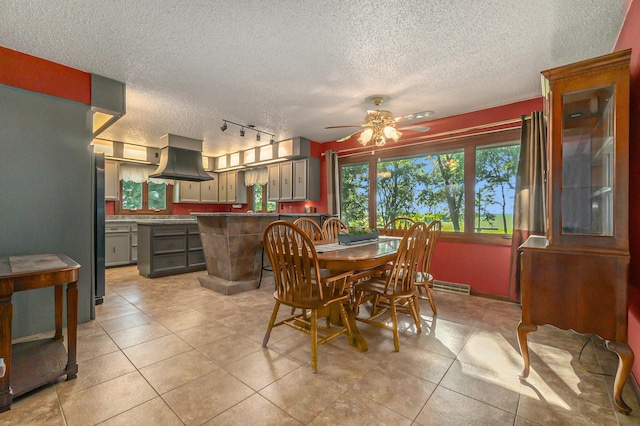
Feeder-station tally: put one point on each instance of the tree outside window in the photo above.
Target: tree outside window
(495, 188)
(355, 194)
(424, 188)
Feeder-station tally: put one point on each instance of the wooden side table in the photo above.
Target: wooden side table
(32, 364)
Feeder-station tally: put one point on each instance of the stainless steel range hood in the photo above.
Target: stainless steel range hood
(181, 159)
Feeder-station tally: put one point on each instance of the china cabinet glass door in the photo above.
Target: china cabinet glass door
(587, 198)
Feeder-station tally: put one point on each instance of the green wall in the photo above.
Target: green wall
(45, 194)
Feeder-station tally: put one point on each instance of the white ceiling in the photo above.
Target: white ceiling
(293, 67)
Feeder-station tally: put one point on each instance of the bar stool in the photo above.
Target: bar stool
(263, 267)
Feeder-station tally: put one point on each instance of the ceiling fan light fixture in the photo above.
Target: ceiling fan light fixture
(390, 132)
(365, 136)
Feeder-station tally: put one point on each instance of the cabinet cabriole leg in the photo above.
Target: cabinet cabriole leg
(523, 330)
(625, 361)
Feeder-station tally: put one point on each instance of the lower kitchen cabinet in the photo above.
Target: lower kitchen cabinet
(120, 244)
(117, 245)
(168, 249)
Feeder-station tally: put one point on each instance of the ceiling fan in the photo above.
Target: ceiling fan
(379, 125)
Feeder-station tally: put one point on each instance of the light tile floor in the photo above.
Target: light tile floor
(168, 352)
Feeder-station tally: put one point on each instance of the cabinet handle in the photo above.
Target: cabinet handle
(299, 179)
(114, 249)
(286, 181)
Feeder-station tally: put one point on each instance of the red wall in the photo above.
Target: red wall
(484, 267)
(39, 75)
(630, 38)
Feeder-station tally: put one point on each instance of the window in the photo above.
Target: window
(260, 202)
(142, 195)
(424, 188)
(355, 194)
(468, 183)
(495, 188)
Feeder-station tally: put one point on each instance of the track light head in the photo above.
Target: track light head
(242, 132)
(258, 136)
(224, 126)
(271, 141)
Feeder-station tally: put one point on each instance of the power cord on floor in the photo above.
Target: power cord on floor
(591, 336)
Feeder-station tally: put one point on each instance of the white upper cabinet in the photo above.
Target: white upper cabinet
(111, 181)
(209, 190)
(186, 192)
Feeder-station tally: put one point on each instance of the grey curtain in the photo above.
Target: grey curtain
(530, 212)
(333, 183)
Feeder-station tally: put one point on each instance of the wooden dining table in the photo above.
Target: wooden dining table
(356, 257)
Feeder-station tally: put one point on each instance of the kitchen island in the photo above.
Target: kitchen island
(232, 245)
(169, 247)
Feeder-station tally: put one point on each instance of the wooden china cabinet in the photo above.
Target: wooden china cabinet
(575, 277)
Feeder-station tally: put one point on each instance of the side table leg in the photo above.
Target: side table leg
(72, 329)
(625, 361)
(58, 303)
(523, 330)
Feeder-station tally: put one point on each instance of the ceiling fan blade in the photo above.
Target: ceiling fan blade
(341, 127)
(348, 136)
(414, 128)
(416, 116)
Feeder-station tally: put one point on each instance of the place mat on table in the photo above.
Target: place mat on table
(35, 262)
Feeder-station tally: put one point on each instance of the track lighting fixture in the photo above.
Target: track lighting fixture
(244, 127)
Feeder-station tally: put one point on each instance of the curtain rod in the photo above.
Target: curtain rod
(419, 140)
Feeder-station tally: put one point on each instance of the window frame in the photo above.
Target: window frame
(145, 202)
(468, 145)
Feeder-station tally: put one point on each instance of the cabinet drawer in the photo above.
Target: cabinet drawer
(108, 229)
(165, 262)
(169, 230)
(169, 243)
(196, 258)
(193, 229)
(195, 242)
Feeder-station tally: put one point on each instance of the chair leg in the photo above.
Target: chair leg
(394, 320)
(431, 301)
(314, 340)
(272, 321)
(415, 312)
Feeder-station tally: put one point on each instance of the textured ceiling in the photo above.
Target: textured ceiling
(293, 67)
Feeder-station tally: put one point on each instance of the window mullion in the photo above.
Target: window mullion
(469, 188)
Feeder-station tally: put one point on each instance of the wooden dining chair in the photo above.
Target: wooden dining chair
(424, 278)
(332, 227)
(299, 285)
(394, 292)
(310, 227)
(398, 227)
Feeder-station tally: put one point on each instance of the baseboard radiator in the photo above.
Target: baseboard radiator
(452, 287)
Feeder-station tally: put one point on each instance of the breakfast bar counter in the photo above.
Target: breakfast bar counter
(232, 246)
